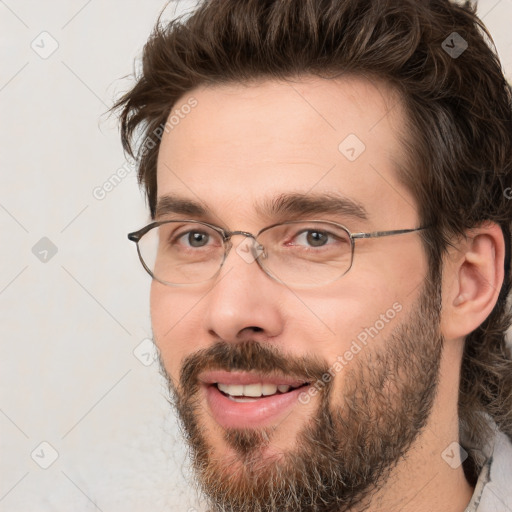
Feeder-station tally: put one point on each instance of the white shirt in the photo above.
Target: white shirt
(493, 490)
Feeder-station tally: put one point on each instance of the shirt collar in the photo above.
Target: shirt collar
(493, 490)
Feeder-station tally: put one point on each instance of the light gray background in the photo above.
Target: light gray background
(72, 323)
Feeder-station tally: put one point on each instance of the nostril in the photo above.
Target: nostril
(255, 328)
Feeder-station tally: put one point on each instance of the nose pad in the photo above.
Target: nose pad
(249, 249)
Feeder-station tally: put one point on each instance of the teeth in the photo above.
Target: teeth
(252, 390)
(233, 390)
(241, 400)
(269, 389)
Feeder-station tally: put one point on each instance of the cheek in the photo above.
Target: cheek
(172, 319)
(355, 319)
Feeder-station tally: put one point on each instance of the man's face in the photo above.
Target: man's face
(362, 351)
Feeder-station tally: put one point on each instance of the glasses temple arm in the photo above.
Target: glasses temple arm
(377, 234)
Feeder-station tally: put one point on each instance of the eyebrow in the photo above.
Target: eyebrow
(169, 204)
(297, 204)
(289, 205)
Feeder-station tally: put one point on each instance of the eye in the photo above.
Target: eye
(194, 238)
(188, 237)
(315, 238)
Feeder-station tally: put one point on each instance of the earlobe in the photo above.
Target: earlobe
(477, 277)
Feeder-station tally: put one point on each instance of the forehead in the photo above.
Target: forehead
(242, 143)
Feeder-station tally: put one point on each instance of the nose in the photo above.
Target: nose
(244, 302)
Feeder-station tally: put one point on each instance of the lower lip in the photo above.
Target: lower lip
(261, 412)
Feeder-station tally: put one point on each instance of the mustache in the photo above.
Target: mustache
(249, 356)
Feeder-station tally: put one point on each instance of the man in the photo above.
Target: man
(330, 251)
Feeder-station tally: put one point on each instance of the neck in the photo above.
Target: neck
(430, 477)
(425, 482)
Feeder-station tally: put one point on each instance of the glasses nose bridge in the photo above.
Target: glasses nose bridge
(229, 234)
(228, 244)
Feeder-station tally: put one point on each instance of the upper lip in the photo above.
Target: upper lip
(246, 378)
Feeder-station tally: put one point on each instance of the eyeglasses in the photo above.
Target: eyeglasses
(296, 253)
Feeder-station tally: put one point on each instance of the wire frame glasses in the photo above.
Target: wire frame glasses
(295, 253)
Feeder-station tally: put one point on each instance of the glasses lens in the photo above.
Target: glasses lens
(182, 252)
(306, 253)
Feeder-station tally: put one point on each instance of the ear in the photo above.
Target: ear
(473, 274)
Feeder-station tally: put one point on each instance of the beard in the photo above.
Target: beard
(347, 449)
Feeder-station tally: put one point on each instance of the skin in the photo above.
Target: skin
(242, 144)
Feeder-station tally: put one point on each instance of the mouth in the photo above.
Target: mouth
(248, 400)
(251, 392)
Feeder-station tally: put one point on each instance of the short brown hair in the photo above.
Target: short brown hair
(459, 123)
